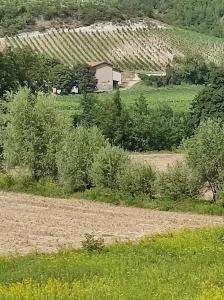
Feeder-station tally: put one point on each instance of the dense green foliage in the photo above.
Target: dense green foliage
(38, 72)
(138, 179)
(76, 155)
(203, 16)
(179, 182)
(188, 69)
(64, 78)
(38, 143)
(107, 167)
(205, 154)
(123, 269)
(113, 120)
(210, 101)
(137, 128)
(25, 68)
(32, 135)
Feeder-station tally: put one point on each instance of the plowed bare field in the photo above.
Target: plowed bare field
(32, 223)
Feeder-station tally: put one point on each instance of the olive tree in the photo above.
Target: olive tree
(33, 133)
(205, 154)
(80, 146)
(138, 178)
(107, 167)
(179, 182)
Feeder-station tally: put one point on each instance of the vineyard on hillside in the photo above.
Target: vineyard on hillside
(135, 47)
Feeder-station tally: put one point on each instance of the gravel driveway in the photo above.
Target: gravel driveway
(32, 223)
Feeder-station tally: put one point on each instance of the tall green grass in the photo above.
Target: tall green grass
(181, 266)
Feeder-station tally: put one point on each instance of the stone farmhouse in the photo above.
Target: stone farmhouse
(107, 76)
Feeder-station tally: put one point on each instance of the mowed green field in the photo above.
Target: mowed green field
(177, 97)
(178, 266)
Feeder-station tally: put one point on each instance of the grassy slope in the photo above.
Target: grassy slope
(186, 265)
(178, 97)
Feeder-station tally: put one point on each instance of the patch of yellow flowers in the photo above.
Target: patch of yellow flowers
(210, 291)
(53, 289)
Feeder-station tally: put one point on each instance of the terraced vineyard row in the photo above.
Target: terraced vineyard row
(127, 47)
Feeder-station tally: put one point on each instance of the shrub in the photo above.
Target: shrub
(205, 153)
(33, 134)
(137, 179)
(76, 156)
(91, 243)
(6, 182)
(178, 182)
(108, 164)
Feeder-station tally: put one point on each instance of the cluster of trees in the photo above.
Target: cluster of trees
(203, 16)
(138, 128)
(189, 69)
(39, 142)
(26, 68)
(31, 15)
(142, 128)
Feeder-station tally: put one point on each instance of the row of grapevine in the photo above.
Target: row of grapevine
(127, 47)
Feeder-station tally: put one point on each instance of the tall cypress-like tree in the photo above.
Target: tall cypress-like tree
(88, 107)
(140, 125)
(113, 119)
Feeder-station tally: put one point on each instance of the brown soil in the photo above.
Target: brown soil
(32, 223)
(159, 160)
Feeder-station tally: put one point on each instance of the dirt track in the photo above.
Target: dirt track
(32, 223)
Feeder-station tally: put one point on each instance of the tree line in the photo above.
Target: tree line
(38, 72)
(138, 127)
(135, 128)
(38, 142)
(202, 16)
(188, 69)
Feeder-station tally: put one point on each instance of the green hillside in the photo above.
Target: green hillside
(145, 45)
(28, 15)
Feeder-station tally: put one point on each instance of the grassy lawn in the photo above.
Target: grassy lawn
(178, 97)
(186, 265)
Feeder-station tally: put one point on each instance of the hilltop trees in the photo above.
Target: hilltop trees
(203, 16)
